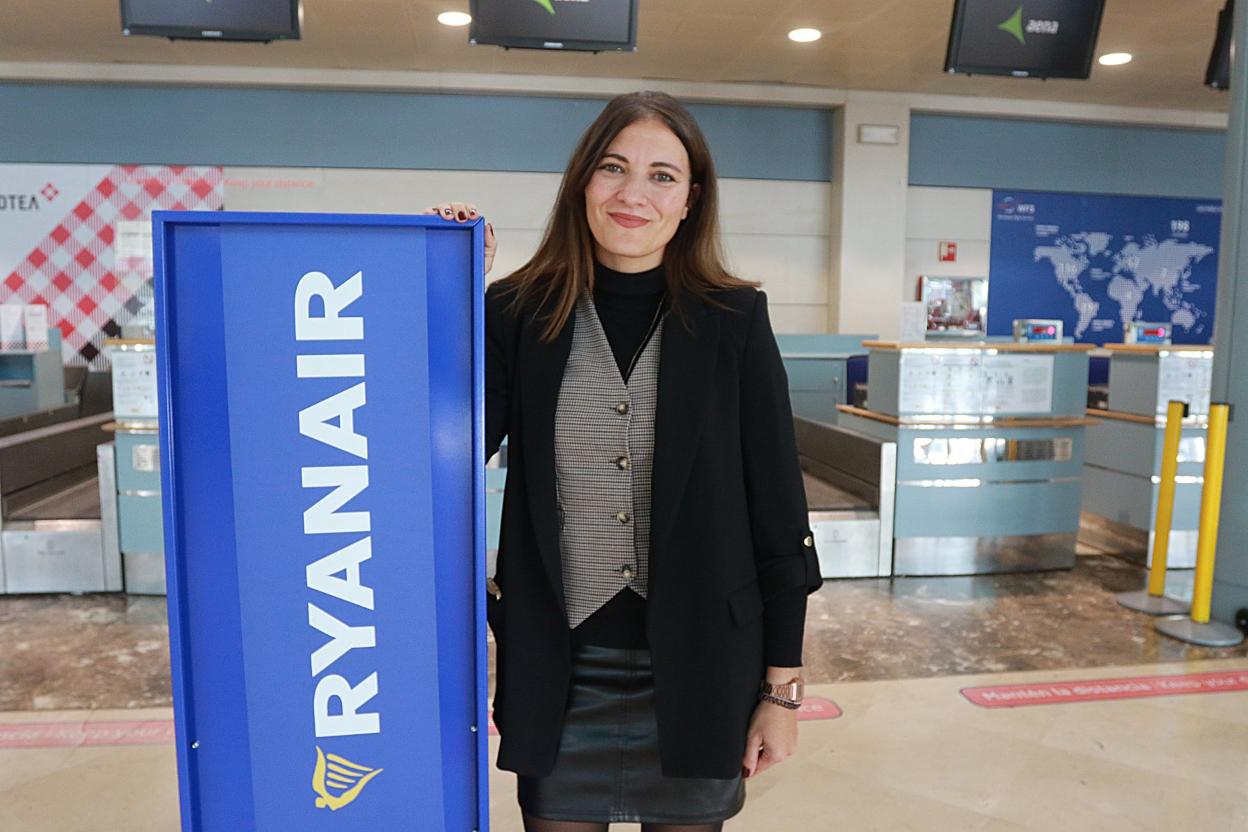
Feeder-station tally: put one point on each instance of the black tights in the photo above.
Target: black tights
(536, 824)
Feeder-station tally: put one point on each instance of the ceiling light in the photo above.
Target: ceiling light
(1115, 59)
(454, 19)
(805, 35)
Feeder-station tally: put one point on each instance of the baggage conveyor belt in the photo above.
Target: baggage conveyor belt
(850, 480)
(51, 530)
(823, 496)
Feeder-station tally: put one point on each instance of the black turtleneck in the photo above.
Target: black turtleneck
(626, 304)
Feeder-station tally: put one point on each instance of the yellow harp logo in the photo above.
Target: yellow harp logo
(338, 781)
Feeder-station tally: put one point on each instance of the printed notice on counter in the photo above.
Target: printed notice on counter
(941, 382)
(1184, 377)
(975, 382)
(1015, 383)
(134, 384)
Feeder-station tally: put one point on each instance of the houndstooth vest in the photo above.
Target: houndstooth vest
(604, 453)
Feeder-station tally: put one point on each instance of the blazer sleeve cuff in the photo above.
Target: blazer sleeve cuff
(796, 570)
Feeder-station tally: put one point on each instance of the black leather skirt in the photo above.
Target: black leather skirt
(608, 764)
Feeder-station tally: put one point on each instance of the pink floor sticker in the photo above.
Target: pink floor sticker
(1097, 690)
(816, 707)
(72, 734)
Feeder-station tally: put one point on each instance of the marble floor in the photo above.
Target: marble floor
(909, 751)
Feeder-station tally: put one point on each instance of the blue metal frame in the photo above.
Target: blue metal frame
(197, 243)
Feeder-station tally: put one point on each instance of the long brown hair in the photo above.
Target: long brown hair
(564, 262)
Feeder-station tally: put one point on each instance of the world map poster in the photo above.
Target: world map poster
(1100, 262)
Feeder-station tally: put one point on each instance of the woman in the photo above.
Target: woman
(655, 556)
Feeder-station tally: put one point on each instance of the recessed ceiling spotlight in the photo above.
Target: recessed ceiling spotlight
(1115, 59)
(454, 19)
(805, 35)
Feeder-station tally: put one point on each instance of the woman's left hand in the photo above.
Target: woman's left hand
(772, 737)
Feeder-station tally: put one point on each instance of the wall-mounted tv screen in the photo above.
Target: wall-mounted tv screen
(572, 25)
(1031, 39)
(261, 20)
(1218, 73)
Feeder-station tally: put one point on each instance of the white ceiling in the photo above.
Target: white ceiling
(895, 45)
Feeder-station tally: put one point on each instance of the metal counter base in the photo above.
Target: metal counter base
(930, 556)
(55, 556)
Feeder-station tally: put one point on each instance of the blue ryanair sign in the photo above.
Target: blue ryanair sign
(321, 426)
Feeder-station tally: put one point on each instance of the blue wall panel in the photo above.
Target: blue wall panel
(321, 128)
(973, 152)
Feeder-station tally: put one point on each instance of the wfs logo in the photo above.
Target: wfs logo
(1011, 207)
(1016, 27)
(338, 781)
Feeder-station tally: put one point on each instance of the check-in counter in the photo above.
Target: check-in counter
(32, 381)
(822, 370)
(1123, 463)
(136, 498)
(990, 446)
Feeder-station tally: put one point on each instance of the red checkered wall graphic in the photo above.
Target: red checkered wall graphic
(90, 292)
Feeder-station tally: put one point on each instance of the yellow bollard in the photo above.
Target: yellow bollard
(1153, 601)
(1198, 629)
(1210, 512)
(1175, 412)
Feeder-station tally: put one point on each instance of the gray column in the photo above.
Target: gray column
(1230, 364)
(867, 279)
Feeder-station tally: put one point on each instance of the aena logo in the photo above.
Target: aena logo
(1014, 25)
(545, 4)
(338, 781)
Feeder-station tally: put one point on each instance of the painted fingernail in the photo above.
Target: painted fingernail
(472, 213)
(446, 211)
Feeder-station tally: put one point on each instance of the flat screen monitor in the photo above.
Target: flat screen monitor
(1032, 39)
(259, 20)
(1218, 73)
(570, 25)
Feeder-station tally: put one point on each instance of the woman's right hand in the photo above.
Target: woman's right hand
(466, 212)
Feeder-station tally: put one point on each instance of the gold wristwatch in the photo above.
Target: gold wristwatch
(787, 694)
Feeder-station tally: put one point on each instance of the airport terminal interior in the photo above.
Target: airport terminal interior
(1005, 257)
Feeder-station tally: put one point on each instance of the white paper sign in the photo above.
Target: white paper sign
(134, 240)
(134, 384)
(36, 324)
(1018, 383)
(11, 332)
(1185, 378)
(941, 383)
(974, 383)
(145, 458)
(913, 321)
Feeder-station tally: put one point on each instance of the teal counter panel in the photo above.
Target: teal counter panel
(987, 510)
(1136, 449)
(138, 462)
(815, 373)
(139, 519)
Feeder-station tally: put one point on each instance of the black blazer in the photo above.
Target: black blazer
(729, 529)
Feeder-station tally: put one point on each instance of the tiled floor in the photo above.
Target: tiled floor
(909, 751)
